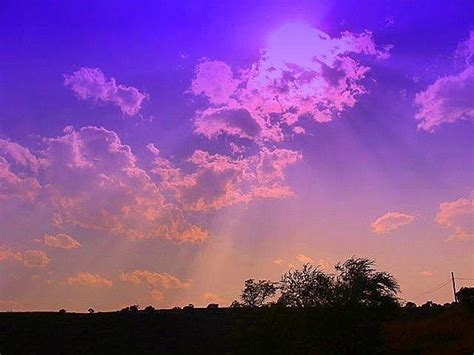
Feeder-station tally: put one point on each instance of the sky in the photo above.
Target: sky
(162, 152)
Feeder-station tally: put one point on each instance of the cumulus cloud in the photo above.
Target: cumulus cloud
(156, 282)
(451, 97)
(30, 258)
(92, 84)
(216, 81)
(97, 184)
(19, 155)
(13, 186)
(391, 221)
(63, 241)
(220, 180)
(301, 72)
(458, 216)
(89, 279)
(88, 178)
(154, 279)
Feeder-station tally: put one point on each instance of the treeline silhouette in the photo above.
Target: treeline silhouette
(356, 284)
(356, 310)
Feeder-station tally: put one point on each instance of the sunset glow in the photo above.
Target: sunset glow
(165, 155)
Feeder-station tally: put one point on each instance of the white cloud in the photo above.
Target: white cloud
(391, 221)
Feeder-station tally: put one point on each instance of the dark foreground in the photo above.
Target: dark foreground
(241, 331)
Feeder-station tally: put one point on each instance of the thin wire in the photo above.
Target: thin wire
(436, 289)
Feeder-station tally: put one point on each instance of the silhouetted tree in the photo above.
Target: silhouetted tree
(358, 283)
(307, 287)
(465, 296)
(212, 306)
(235, 304)
(90, 310)
(62, 311)
(255, 293)
(410, 305)
(149, 309)
(133, 308)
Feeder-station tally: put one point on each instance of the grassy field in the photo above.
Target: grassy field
(268, 330)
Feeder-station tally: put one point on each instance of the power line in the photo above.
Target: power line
(436, 289)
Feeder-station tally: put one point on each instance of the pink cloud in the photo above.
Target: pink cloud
(154, 279)
(97, 184)
(223, 181)
(391, 221)
(30, 258)
(92, 84)
(91, 180)
(451, 97)
(458, 216)
(63, 241)
(447, 100)
(465, 50)
(302, 71)
(13, 186)
(215, 80)
(232, 121)
(89, 279)
(19, 154)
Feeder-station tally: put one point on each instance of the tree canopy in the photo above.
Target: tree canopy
(356, 283)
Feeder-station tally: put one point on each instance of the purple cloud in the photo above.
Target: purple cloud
(450, 98)
(302, 71)
(92, 84)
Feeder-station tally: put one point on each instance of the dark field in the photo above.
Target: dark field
(270, 330)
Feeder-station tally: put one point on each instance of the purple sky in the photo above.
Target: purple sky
(161, 153)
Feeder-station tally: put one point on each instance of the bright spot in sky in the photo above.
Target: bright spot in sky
(295, 43)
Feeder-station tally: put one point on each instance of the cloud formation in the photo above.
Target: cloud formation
(153, 279)
(30, 258)
(95, 183)
(458, 216)
(15, 187)
(220, 180)
(391, 221)
(88, 178)
(89, 279)
(19, 155)
(301, 72)
(450, 98)
(61, 240)
(92, 84)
